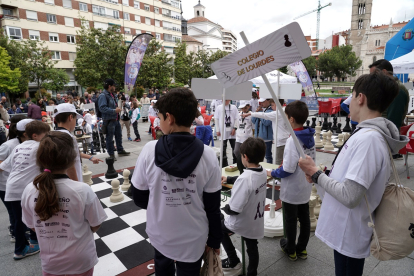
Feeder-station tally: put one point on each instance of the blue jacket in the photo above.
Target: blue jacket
(265, 130)
(106, 107)
(346, 109)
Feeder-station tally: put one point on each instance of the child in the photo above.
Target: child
(15, 137)
(135, 115)
(21, 164)
(64, 213)
(362, 167)
(87, 130)
(198, 121)
(151, 112)
(244, 130)
(157, 128)
(295, 190)
(246, 207)
(65, 116)
(177, 179)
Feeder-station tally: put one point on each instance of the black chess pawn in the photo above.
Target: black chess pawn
(111, 173)
(287, 42)
(325, 124)
(338, 130)
(334, 126)
(313, 122)
(347, 127)
(330, 126)
(307, 123)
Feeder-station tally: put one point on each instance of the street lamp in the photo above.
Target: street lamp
(204, 66)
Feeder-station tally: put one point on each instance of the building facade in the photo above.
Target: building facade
(57, 21)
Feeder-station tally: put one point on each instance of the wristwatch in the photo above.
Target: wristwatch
(315, 176)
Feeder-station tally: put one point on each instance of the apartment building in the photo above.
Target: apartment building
(57, 21)
(229, 41)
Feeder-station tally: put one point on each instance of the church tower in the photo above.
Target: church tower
(361, 18)
(199, 10)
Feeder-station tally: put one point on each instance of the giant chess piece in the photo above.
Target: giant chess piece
(307, 123)
(338, 130)
(318, 142)
(347, 127)
(87, 175)
(111, 173)
(313, 125)
(328, 146)
(334, 126)
(324, 135)
(330, 126)
(116, 196)
(125, 186)
(325, 123)
(340, 140)
(313, 220)
(314, 193)
(346, 136)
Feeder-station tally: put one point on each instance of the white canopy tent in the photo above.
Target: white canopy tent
(404, 64)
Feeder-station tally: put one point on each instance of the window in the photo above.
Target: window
(147, 7)
(360, 24)
(100, 25)
(113, 13)
(67, 4)
(72, 56)
(7, 12)
(156, 10)
(157, 36)
(34, 35)
(14, 33)
(85, 24)
(379, 42)
(71, 39)
(147, 21)
(31, 15)
(127, 30)
(137, 18)
(374, 59)
(83, 7)
(126, 16)
(136, 4)
(125, 2)
(53, 37)
(157, 23)
(148, 32)
(55, 55)
(50, 2)
(98, 10)
(51, 18)
(69, 22)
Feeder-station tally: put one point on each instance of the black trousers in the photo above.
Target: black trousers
(347, 266)
(294, 212)
(252, 251)
(135, 126)
(233, 145)
(165, 266)
(20, 229)
(9, 209)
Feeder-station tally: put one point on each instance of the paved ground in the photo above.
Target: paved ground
(272, 261)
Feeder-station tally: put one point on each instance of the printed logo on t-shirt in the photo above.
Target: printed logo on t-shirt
(166, 180)
(191, 181)
(258, 214)
(63, 231)
(62, 237)
(64, 216)
(65, 225)
(178, 190)
(43, 231)
(52, 223)
(412, 230)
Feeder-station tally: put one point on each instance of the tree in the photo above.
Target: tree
(182, 64)
(310, 65)
(9, 79)
(339, 61)
(58, 78)
(99, 55)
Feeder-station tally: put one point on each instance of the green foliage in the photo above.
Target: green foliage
(9, 79)
(339, 61)
(91, 90)
(175, 85)
(310, 64)
(100, 55)
(58, 79)
(41, 93)
(284, 70)
(138, 91)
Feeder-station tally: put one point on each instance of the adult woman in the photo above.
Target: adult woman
(81, 103)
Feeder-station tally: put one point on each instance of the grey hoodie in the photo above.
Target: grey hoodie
(389, 131)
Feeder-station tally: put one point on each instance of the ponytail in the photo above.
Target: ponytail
(48, 199)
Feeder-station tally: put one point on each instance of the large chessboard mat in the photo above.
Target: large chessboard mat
(122, 245)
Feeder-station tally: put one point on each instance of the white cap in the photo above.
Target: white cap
(154, 101)
(21, 125)
(254, 89)
(244, 103)
(261, 100)
(80, 121)
(66, 108)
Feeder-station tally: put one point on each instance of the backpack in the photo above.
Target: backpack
(393, 236)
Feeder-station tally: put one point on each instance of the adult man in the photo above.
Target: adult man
(14, 110)
(399, 107)
(59, 99)
(230, 117)
(145, 99)
(20, 105)
(86, 97)
(108, 106)
(151, 95)
(157, 94)
(264, 128)
(95, 96)
(4, 102)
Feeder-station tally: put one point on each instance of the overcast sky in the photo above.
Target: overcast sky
(258, 18)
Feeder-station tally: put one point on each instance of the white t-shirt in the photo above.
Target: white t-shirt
(88, 118)
(21, 164)
(365, 160)
(151, 111)
(230, 116)
(93, 120)
(78, 162)
(5, 150)
(282, 130)
(177, 224)
(254, 103)
(157, 122)
(134, 115)
(87, 129)
(66, 240)
(244, 128)
(248, 198)
(295, 189)
(215, 104)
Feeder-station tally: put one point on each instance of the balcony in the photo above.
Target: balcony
(166, 2)
(7, 16)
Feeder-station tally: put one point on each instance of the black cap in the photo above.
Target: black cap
(110, 82)
(383, 64)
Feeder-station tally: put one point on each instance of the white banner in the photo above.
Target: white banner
(278, 49)
(212, 89)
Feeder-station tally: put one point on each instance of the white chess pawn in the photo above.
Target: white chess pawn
(87, 175)
(318, 142)
(125, 186)
(313, 220)
(314, 193)
(324, 134)
(116, 196)
(328, 146)
(346, 136)
(340, 140)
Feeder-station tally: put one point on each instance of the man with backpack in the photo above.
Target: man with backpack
(359, 174)
(109, 111)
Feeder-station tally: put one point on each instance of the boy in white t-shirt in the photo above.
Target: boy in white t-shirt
(87, 130)
(64, 213)
(361, 168)
(244, 130)
(177, 179)
(294, 189)
(246, 207)
(21, 164)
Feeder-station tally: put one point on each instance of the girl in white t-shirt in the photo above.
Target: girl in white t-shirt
(64, 213)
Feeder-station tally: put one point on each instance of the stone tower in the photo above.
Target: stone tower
(199, 10)
(361, 18)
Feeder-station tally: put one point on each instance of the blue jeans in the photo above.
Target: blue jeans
(347, 266)
(268, 155)
(113, 128)
(20, 229)
(9, 209)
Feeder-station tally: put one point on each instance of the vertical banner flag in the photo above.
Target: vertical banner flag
(133, 60)
(303, 76)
